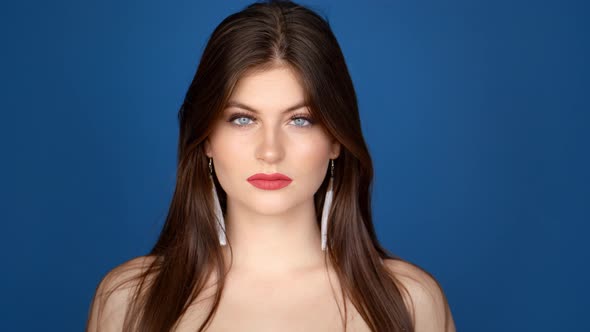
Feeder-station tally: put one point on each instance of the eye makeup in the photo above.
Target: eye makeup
(237, 115)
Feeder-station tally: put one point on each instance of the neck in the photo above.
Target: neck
(275, 244)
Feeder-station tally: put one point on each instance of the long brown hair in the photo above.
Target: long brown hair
(188, 249)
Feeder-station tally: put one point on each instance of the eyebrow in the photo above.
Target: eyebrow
(232, 103)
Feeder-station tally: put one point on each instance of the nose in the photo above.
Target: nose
(270, 148)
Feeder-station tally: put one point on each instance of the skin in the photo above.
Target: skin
(278, 281)
(273, 233)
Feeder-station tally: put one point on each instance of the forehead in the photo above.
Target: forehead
(270, 89)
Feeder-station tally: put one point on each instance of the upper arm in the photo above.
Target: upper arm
(424, 298)
(112, 296)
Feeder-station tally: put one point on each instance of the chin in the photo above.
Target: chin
(270, 207)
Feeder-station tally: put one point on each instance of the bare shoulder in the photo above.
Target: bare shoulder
(424, 297)
(113, 294)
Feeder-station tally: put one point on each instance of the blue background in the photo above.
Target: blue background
(475, 112)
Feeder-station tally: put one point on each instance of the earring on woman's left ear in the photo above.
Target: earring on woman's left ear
(326, 209)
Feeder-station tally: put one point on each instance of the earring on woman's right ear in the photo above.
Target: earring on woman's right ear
(217, 208)
(326, 209)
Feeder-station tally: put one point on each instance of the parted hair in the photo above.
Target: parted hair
(263, 35)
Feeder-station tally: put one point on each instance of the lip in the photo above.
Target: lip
(272, 181)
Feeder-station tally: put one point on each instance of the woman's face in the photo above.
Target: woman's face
(266, 129)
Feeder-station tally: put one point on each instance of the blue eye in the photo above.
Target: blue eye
(295, 118)
(243, 120)
(240, 123)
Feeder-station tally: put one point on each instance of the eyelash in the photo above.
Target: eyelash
(238, 115)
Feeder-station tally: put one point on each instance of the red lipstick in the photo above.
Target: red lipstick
(269, 181)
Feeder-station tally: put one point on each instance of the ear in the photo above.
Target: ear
(335, 149)
(207, 146)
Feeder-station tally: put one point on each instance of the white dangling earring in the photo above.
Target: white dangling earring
(326, 209)
(217, 207)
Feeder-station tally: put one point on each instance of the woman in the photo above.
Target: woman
(270, 228)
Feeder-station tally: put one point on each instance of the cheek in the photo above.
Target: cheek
(226, 142)
(312, 154)
(230, 152)
(226, 150)
(306, 152)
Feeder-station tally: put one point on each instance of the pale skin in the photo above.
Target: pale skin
(273, 232)
(278, 281)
